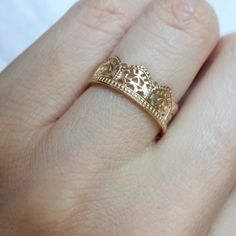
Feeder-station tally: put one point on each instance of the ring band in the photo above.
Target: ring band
(136, 83)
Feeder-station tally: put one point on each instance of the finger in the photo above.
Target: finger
(225, 222)
(40, 85)
(160, 40)
(198, 153)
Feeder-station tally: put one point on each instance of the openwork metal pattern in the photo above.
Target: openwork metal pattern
(135, 82)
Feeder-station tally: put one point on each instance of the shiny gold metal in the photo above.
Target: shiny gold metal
(136, 83)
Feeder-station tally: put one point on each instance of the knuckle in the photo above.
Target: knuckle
(194, 17)
(105, 16)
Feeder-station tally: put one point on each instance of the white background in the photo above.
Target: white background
(23, 21)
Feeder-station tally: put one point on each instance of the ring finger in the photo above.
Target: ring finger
(172, 39)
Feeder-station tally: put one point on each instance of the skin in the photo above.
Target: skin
(83, 160)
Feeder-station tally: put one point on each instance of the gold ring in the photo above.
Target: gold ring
(136, 83)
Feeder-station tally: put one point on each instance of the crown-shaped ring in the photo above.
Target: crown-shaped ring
(135, 82)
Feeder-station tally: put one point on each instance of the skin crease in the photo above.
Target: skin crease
(80, 160)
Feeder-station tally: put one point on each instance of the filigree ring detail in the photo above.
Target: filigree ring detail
(136, 83)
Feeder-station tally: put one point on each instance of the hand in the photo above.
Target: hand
(80, 160)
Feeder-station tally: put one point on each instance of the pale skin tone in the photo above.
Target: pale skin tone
(80, 160)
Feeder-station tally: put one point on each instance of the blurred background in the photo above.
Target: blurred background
(23, 21)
